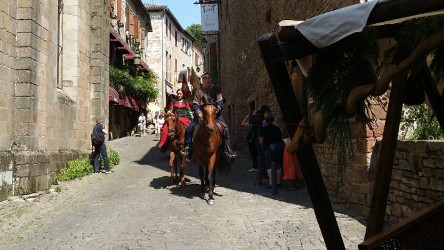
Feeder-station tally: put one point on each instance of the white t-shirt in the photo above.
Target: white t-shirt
(142, 119)
(160, 121)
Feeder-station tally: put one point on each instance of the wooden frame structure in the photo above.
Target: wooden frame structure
(289, 44)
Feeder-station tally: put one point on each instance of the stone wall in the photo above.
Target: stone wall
(8, 74)
(417, 178)
(54, 74)
(245, 81)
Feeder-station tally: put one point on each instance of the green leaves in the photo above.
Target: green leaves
(81, 167)
(142, 85)
(195, 30)
(423, 121)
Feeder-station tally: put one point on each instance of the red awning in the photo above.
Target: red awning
(143, 66)
(121, 45)
(134, 104)
(113, 95)
(125, 102)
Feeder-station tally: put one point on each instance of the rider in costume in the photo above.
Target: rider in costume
(182, 108)
(210, 93)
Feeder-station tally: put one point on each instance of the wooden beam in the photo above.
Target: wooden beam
(386, 10)
(297, 46)
(375, 222)
(409, 223)
(436, 101)
(286, 98)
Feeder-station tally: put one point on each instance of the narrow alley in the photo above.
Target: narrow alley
(135, 207)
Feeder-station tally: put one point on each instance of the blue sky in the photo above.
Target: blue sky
(185, 11)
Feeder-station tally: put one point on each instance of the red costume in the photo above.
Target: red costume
(183, 110)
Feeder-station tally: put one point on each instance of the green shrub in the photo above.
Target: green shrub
(76, 169)
(83, 166)
(114, 158)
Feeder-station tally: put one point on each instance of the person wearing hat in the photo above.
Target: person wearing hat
(209, 92)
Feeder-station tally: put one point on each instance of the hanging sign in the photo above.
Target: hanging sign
(209, 17)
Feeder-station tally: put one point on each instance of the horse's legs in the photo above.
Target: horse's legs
(211, 164)
(182, 170)
(210, 188)
(202, 181)
(172, 167)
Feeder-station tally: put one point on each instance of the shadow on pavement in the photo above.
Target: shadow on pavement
(239, 180)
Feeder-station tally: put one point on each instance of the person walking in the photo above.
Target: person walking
(270, 138)
(98, 142)
(141, 124)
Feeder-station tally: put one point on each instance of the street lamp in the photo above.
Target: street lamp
(204, 43)
(137, 54)
(137, 58)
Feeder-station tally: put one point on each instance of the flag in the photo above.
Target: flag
(185, 90)
(195, 80)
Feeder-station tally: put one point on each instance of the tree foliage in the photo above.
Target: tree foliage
(195, 30)
(423, 122)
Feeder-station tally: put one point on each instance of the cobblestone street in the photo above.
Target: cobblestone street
(135, 207)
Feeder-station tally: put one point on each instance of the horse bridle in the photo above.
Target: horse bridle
(205, 122)
(210, 130)
(176, 132)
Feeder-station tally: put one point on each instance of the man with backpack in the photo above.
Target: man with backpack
(98, 141)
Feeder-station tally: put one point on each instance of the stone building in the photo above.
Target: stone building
(416, 181)
(54, 78)
(245, 80)
(173, 51)
(129, 38)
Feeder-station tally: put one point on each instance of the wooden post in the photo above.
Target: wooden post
(375, 223)
(277, 71)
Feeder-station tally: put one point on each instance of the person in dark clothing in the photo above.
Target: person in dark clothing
(209, 92)
(100, 148)
(252, 137)
(270, 138)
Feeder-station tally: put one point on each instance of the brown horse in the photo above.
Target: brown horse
(208, 151)
(176, 137)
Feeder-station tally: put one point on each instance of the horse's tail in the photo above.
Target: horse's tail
(223, 165)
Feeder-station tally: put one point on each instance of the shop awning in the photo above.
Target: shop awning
(113, 95)
(124, 101)
(121, 44)
(143, 66)
(134, 104)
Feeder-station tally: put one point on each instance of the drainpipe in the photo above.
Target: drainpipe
(163, 101)
(59, 60)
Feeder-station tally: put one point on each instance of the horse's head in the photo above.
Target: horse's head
(209, 111)
(171, 120)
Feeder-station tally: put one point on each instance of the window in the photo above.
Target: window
(175, 38)
(169, 29)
